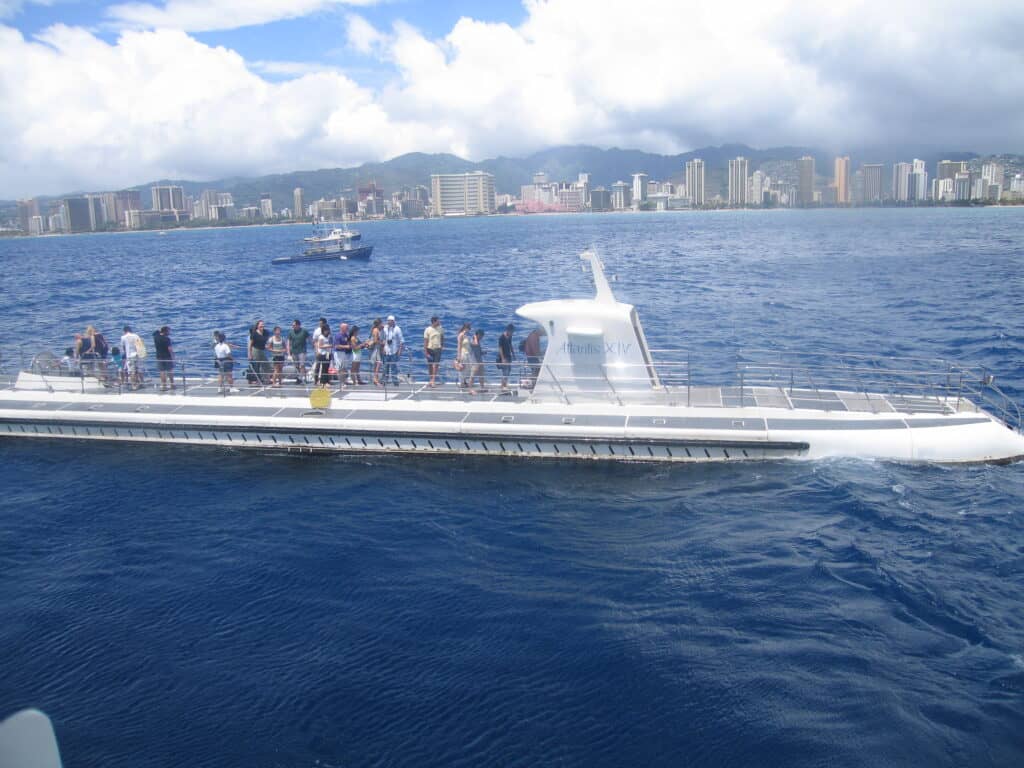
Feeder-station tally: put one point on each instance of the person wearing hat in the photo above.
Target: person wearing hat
(506, 354)
(393, 343)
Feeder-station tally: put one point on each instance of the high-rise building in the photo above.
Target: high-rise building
(622, 196)
(901, 182)
(948, 169)
(583, 184)
(27, 210)
(962, 186)
(993, 175)
(918, 180)
(759, 184)
(76, 214)
(872, 182)
(600, 199)
(857, 187)
(639, 187)
(738, 181)
(266, 206)
(695, 182)
(463, 194)
(298, 203)
(842, 180)
(806, 187)
(168, 198)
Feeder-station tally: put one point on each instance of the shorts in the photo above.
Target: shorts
(226, 366)
(278, 358)
(505, 368)
(299, 358)
(375, 356)
(165, 366)
(433, 355)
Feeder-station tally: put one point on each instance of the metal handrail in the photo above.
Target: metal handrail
(937, 378)
(944, 382)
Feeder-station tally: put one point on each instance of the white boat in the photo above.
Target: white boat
(596, 393)
(327, 233)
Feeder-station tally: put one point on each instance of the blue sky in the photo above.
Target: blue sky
(100, 95)
(315, 39)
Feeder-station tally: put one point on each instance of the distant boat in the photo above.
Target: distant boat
(331, 252)
(326, 233)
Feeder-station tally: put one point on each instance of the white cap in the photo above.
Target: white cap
(391, 317)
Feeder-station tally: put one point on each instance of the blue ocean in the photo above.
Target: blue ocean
(202, 607)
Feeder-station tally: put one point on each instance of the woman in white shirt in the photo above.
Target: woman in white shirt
(225, 361)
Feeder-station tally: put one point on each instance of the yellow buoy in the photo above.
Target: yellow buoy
(320, 398)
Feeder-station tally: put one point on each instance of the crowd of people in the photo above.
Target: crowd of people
(326, 355)
(90, 354)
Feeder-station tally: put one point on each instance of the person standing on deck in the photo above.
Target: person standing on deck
(276, 345)
(296, 342)
(531, 348)
(394, 343)
(476, 361)
(322, 346)
(130, 342)
(462, 362)
(164, 356)
(258, 338)
(342, 354)
(375, 346)
(433, 344)
(506, 354)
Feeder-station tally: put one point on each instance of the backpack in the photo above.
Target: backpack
(140, 347)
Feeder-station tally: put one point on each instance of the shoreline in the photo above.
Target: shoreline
(680, 211)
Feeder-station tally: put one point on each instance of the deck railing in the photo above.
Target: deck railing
(947, 384)
(943, 381)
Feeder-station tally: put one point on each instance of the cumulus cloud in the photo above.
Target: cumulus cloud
(661, 75)
(79, 113)
(9, 8)
(363, 36)
(209, 15)
(666, 75)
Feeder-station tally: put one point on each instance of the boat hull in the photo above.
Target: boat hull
(523, 429)
(361, 253)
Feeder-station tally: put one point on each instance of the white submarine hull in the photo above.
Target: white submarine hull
(523, 429)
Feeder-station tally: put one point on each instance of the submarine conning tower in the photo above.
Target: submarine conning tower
(594, 346)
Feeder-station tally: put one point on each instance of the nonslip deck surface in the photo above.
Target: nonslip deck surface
(353, 396)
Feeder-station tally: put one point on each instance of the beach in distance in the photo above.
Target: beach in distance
(205, 607)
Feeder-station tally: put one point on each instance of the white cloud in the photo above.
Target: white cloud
(671, 75)
(209, 15)
(363, 36)
(661, 75)
(291, 68)
(11, 8)
(79, 113)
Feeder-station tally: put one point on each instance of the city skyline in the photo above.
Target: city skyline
(778, 183)
(110, 94)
